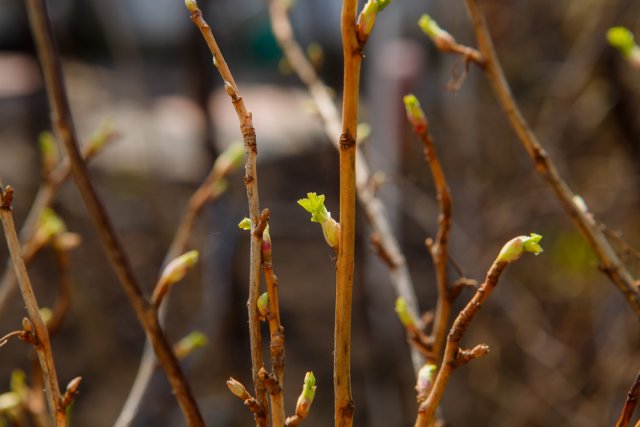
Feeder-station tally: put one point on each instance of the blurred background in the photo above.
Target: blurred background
(564, 344)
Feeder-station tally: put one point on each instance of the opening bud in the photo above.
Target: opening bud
(424, 383)
(190, 343)
(306, 397)
(366, 20)
(514, 248)
(314, 204)
(442, 39)
(415, 114)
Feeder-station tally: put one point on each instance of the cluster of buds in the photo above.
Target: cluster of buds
(516, 247)
(367, 18)
(622, 39)
(415, 114)
(314, 204)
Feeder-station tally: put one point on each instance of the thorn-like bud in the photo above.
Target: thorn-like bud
(192, 5)
(514, 248)
(314, 204)
(173, 273)
(442, 39)
(263, 305)
(266, 247)
(71, 392)
(403, 313)
(245, 224)
(229, 160)
(48, 151)
(424, 382)
(306, 397)
(366, 20)
(415, 115)
(238, 389)
(190, 343)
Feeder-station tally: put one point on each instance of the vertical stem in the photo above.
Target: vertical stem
(352, 51)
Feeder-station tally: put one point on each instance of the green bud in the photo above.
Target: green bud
(440, 37)
(415, 115)
(48, 150)
(514, 248)
(100, 137)
(187, 345)
(314, 204)
(49, 225)
(263, 305)
(403, 313)
(245, 224)
(229, 160)
(306, 397)
(622, 39)
(331, 232)
(366, 20)
(178, 268)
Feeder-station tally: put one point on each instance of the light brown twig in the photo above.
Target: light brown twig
(42, 343)
(630, 403)
(611, 264)
(251, 185)
(63, 125)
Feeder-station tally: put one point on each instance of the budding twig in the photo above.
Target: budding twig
(251, 185)
(454, 356)
(630, 403)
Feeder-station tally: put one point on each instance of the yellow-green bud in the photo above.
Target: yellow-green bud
(440, 37)
(403, 313)
(192, 5)
(230, 159)
(425, 380)
(263, 305)
(366, 20)
(514, 248)
(415, 114)
(178, 268)
(48, 150)
(622, 39)
(245, 224)
(187, 345)
(306, 397)
(314, 204)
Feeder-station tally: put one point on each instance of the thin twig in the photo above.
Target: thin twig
(42, 343)
(47, 190)
(276, 330)
(437, 248)
(629, 404)
(63, 124)
(64, 295)
(251, 185)
(611, 264)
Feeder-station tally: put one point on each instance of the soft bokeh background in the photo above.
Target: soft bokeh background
(564, 344)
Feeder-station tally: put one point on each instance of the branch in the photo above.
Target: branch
(454, 356)
(437, 248)
(629, 404)
(42, 343)
(611, 264)
(251, 185)
(63, 124)
(276, 329)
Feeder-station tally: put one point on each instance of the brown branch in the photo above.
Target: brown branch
(611, 264)
(453, 355)
(276, 330)
(63, 125)
(47, 190)
(437, 248)
(42, 343)
(629, 404)
(330, 117)
(251, 185)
